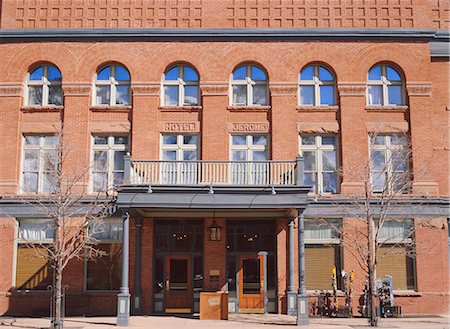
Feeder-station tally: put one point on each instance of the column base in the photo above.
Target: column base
(137, 302)
(123, 309)
(302, 310)
(291, 303)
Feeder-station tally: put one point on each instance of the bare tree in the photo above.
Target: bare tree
(75, 216)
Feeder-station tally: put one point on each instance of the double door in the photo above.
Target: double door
(252, 287)
(178, 284)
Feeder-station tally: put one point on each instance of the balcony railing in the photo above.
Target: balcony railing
(158, 172)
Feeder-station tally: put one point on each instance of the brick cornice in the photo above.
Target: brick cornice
(76, 89)
(422, 89)
(283, 89)
(214, 89)
(351, 89)
(11, 89)
(145, 89)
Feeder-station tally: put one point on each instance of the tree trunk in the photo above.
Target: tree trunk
(372, 307)
(57, 306)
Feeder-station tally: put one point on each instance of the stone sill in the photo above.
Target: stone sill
(107, 108)
(407, 293)
(262, 108)
(49, 108)
(193, 108)
(387, 108)
(319, 108)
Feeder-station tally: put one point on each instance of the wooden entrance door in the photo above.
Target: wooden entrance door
(178, 284)
(251, 283)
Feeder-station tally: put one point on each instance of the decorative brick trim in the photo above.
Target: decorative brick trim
(214, 89)
(110, 126)
(145, 89)
(419, 89)
(180, 108)
(384, 108)
(318, 127)
(283, 89)
(108, 108)
(184, 126)
(351, 89)
(263, 108)
(312, 108)
(387, 127)
(11, 90)
(260, 127)
(75, 89)
(37, 108)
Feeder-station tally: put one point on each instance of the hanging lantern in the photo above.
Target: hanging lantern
(214, 232)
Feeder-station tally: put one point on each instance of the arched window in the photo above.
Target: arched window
(316, 86)
(112, 86)
(44, 86)
(249, 86)
(384, 86)
(180, 87)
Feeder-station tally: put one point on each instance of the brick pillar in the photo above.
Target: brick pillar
(354, 135)
(147, 265)
(282, 264)
(10, 101)
(7, 242)
(421, 124)
(215, 253)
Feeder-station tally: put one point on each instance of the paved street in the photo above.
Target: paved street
(235, 321)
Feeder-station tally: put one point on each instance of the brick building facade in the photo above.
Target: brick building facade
(242, 87)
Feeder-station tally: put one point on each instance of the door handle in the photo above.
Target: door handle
(167, 285)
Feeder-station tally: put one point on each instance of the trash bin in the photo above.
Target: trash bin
(214, 305)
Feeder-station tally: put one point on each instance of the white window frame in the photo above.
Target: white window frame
(111, 148)
(330, 241)
(45, 83)
(384, 83)
(318, 148)
(41, 147)
(249, 83)
(179, 147)
(181, 83)
(249, 147)
(316, 83)
(113, 84)
(387, 148)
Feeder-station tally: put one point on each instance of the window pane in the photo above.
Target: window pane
(30, 180)
(395, 95)
(240, 94)
(189, 155)
(50, 140)
(170, 95)
(399, 162)
(99, 181)
(259, 95)
(329, 160)
(118, 160)
(35, 95)
(54, 74)
(104, 74)
(190, 74)
(31, 162)
(49, 183)
(328, 140)
(329, 183)
(259, 140)
(379, 140)
(122, 95)
(239, 140)
(103, 95)
(378, 161)
(375, 95)
(31, 140)
(308, 140)
(172, 74)
(190, 139)
(325, 75)
(259, 156)
(36, 74)
(100, 140)
(55, 95)
(50, 159)
(375, 73)
(310, 160)
(239, 155)
(120, 140)
(100, 160)
(310, 180)
(118, 178)
(398, 140)
(307, 73)
(326, 95)
(240, 73)
(170, 155)
(392, 75)
(378, 181)
(190, 95)
(170, 139)
(258, 74)
(104, 272)
(307, 95)
(122, 73)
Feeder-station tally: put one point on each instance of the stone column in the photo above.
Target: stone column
(291, 300)
(302, 297)
(123, 303)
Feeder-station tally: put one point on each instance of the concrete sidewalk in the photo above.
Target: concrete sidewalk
(236, 321)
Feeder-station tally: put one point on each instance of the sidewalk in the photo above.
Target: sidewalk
(270, 321)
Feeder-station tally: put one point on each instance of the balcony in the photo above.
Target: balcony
(217, 173)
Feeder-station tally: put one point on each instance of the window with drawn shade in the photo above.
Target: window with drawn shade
(180, 86)
(316, 86)
(35, 238)
(104, 273)
(43, 86)
(107, 161)
(385, 86)
(249, 86)
(320, 159)
(39, 164)
(112, 86)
